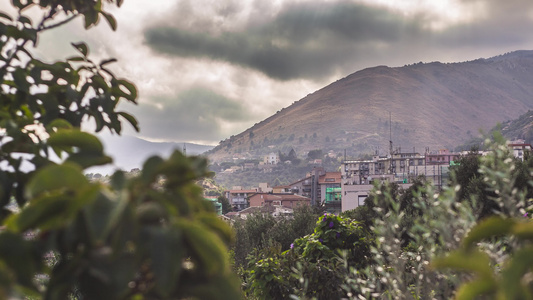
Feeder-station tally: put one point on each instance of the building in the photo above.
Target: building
(330, 191)
(264, 187)
(276, 211)
(238, 198)
(520, 149)
(323, 188)
(282, 189)
(358, 176)
(285, 200)
(271, 159)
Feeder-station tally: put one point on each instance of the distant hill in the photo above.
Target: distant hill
(432, 105)
(521, 128)
(130, 152)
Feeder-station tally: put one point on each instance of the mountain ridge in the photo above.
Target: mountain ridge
(436, 105)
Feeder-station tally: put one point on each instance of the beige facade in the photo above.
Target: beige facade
(359, 176)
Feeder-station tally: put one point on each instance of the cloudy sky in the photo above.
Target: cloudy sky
(207, 69)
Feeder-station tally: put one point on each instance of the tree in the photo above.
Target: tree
(146, 237)
(226, 206)
(315, 154)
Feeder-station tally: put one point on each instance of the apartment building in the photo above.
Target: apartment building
(358, 176)
(238, 198)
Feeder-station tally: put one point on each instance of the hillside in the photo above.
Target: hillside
(432, 105)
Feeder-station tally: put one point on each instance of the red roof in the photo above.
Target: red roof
(242, 191)
(330, 177)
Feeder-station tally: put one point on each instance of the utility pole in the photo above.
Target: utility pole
(390, 142)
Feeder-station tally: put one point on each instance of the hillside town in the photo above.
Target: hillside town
(349, 186)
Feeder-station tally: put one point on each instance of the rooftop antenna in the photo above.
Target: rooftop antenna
(390, 141)
(390, 133)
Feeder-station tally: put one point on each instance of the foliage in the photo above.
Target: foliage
(226, 206)
(313, 266)
(469, 174)
(147, 237)
(315, 154)
(512, 280)
(260, 231)
(37, 99)
(401, 271)
(445, 219)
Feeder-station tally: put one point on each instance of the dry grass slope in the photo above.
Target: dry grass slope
(432, 105)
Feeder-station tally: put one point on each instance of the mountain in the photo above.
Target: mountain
(435, 105)
(130, 152)
(521, 128)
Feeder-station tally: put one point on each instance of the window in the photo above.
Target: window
(361, 200)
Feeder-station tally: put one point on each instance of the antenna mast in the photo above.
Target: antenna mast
(390, 142)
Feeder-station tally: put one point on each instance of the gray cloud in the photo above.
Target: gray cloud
(307, 40)
(313, 40)
(195, 114)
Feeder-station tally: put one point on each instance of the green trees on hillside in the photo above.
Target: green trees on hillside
(148, 237)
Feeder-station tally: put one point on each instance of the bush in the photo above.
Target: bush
(147, 237)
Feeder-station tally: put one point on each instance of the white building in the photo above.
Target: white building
(271, 159)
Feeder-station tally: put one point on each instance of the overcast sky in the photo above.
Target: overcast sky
(208, 69)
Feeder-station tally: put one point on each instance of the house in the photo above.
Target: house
(264, 187)
(285, 200)
(519, 148)
(271, 159)
(440, 157)
(285, 189)
(238, 198)
(276, 211)
(321, 186)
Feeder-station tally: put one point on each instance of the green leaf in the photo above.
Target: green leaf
(221, 286)
(110, 19)
(166, 250)
(107, 61)
(490, 227)
(21, 256)
(66, 177)
(474, 289)
(25, 20)
(5, 16)
(53, 210)
(91, 18)
(513, 274)
(86, 142)
(97, 216)
(217, 225)
(471, 261)
(130, 87)
(523, 231)
(131, 119)
(151, 168)
(75, 58)
(205, 246)
(86, 160)
(82, 47)
(58, 124)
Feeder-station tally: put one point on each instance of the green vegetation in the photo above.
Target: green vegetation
(417, 243)
(151, 236)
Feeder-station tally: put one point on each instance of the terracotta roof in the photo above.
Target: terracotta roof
(330, 177)
(241, 191)
(278, 197)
